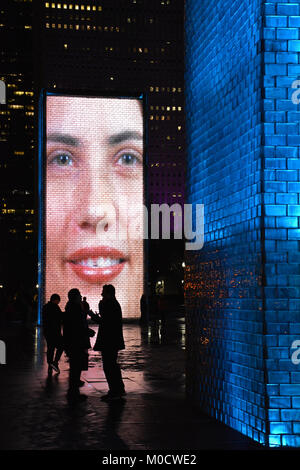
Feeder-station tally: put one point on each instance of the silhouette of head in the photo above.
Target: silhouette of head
(55, 298)
(108, 291)
(74, 295)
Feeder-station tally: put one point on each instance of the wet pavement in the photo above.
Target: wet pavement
(154, 415)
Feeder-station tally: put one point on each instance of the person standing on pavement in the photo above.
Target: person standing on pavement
(52, 323)
(76, 343)
(85, 307)
(110, 341)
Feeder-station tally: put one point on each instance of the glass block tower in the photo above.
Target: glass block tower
(242, 289)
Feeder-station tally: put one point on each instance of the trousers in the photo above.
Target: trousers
(54, 346)
(112, 371)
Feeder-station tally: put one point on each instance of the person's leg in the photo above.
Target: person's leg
(59, 351)
(50, 351)
(112, 372)
(74, 376)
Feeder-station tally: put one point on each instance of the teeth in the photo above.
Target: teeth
(99, 262)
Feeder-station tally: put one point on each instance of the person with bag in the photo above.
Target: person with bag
(76, 343)
(110, 341)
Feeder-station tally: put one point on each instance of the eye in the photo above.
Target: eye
(128, 159)
(62, 159)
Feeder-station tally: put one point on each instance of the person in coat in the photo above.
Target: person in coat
(76, 343)
(110, 340)
(52, 323)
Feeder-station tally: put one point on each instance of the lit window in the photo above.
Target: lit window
(88, 7)
(99, 8)
(94, 8)
(179, 108)
(179, 128)
(47, 5)
(65, 6)
(47, 25)
(52, 5)
(70, 7)
(173, 108)
(66, 46)
(76, 7)
(59, 5)
(82, 7)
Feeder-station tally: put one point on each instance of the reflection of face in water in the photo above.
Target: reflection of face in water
(94, 161)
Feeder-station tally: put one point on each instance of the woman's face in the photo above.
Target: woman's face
(94, 198)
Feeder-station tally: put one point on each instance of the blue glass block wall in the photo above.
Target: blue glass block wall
(281, 218)
(242, 288)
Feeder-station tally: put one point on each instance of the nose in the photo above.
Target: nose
(94, 196)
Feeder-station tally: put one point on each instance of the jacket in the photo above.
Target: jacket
(52, 321)
(110, 333)
(76, 331)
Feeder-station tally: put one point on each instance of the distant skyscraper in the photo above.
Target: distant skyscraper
(17, 137)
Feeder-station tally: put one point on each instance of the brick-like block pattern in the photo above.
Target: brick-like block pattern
(243, 287)
(281, 187)
(225, 366)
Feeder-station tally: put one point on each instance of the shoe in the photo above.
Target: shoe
(81, 383)
(55, 367)
(113, 396)
(77, 397)
(50, 370)
(105, 397)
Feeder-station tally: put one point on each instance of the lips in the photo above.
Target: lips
(97, 265)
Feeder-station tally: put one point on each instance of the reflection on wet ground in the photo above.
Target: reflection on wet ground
(154, 415)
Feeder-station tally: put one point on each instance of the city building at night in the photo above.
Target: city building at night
(17, 141)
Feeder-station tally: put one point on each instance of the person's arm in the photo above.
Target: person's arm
(94, 317)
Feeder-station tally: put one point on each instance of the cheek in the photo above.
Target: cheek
(57, 212)
(130, 205)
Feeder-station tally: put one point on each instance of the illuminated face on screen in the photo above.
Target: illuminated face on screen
(94, 174)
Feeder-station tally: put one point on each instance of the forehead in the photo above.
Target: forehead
(78, 114)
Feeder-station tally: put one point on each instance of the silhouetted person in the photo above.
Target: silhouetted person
(76, 343)
(52, 323)
(144, 309)
(85, 307)
(110, 340)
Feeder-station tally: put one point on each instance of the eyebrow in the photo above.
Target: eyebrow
(64, 139)
(114, 139)
(123, 136)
